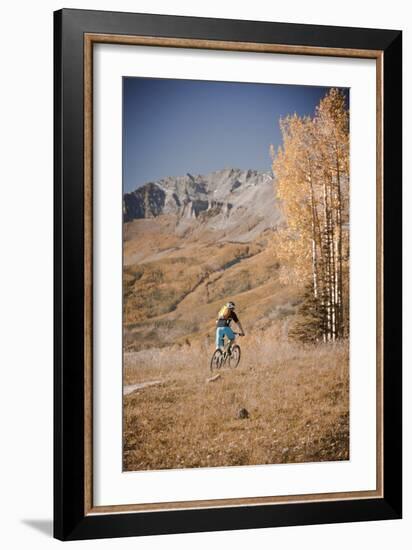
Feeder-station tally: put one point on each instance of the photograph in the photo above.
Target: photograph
(236, 264)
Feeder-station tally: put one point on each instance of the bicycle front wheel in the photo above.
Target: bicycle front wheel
(216, 361)
(234, 357)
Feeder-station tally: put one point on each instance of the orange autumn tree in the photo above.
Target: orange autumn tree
(312, 184)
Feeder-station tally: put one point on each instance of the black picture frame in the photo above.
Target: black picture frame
(70, 520)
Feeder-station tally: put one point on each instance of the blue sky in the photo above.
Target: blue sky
(171, 127)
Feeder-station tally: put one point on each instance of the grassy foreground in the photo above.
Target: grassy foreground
(297, 398)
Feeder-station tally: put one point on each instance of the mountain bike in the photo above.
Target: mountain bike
(230, 356)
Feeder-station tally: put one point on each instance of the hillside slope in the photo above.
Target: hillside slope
(180, 268)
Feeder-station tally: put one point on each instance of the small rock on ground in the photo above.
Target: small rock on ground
(243, 413)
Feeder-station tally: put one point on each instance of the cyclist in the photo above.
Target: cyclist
(225, 316)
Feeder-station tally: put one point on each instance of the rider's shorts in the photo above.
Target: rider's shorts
(221, 332)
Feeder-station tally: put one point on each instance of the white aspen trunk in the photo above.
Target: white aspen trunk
(332, 260)
(322, 271)
(314, 251)
(338, 297)
(339, 248)
(338, 274)
(327, 266)
(332, 289)
(314, 268)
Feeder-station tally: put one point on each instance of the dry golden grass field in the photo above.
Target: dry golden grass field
(175, 279)
(296, 396)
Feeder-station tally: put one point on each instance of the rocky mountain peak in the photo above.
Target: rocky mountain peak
(219, 200)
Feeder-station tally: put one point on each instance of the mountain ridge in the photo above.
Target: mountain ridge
(169, 194)
(222, 201)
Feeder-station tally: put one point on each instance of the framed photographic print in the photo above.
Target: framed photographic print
(227, 274)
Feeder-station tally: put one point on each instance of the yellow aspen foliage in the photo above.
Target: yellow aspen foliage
(311, 170)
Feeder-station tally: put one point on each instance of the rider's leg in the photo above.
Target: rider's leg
(219, 337)
(230, 336)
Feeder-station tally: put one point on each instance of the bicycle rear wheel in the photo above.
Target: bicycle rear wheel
(234, 357)
(216, 361)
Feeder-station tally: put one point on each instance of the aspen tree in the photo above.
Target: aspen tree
(312, 184)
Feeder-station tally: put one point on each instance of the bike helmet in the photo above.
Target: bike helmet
(230, 305)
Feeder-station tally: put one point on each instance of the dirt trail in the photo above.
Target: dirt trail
(134, 387)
